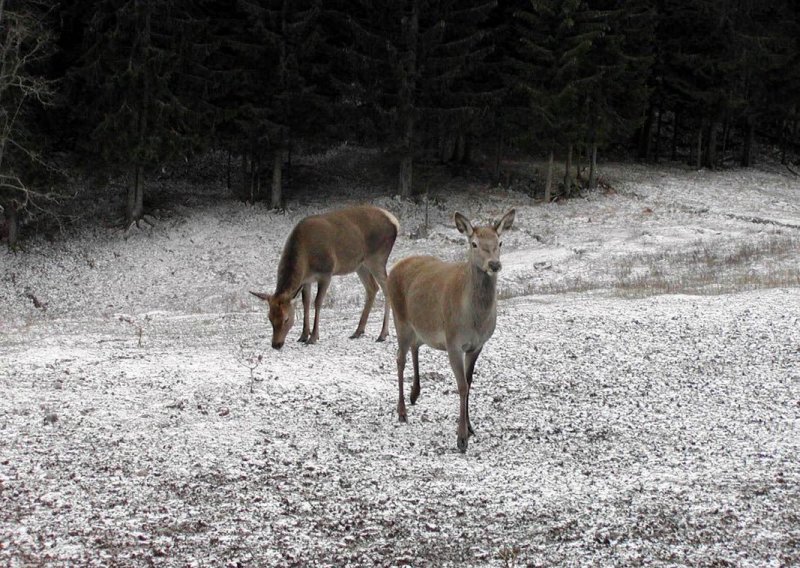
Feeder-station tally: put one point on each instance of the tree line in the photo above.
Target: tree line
(129, 85)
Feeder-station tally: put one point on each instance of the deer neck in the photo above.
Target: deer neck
(291, 271)
(481, 289)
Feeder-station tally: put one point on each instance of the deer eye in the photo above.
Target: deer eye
(474, 245)
(500, 244)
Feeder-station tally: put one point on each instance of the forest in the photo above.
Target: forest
(102, 89)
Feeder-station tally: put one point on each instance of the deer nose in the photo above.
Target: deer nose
(277, 344)
(495, 266)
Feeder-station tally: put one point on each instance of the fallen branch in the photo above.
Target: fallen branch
(36, 302)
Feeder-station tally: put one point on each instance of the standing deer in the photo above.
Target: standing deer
(358, 239)
(448, 306)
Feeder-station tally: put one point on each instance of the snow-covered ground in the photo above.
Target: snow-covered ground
(639, 402)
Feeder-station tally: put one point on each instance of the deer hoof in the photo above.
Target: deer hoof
(402, 418)
(357, 334)
(471, 430)
(382, 338)
(302, 339)
(462, 444)
(414, 396)
(311, 340)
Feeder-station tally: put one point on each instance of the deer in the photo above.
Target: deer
(450, 307)
(357, 239)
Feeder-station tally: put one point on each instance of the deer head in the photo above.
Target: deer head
(281, 316)
(484, 243)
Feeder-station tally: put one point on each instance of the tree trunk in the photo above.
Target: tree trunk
(406, 103)
(498, 155)
(568, 172)
(139, 194)
(466, 158)
(711, 150)
(548, 187)
(675, 138)
(276, 196)
(578, 155)
(289, 171)
(458, 155)
(405, 177)
(645, 136)
(726, 131)
(228, 171)
(699, 155)
(134, 206)
(747, 149)
(257, 176)
(446, 145)
(593, 169)
(244, 186)
(657, 155)
(12, 224)
(783, 142)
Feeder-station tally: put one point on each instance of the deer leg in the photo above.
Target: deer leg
(379, 273)
(470, 358)
(456, 357)
(322, 289)
(371, 287)
(403, 343)
(415, 361)
(306, 308)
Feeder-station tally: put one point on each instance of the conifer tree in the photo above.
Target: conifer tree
(133, 87)
(556, 37)
(269, 88)
(614, 84)
(409, 59)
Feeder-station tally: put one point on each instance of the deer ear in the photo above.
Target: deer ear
(261, 296)
(463, 225)
(504, 222)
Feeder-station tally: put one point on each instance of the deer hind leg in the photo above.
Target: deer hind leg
(470, 358)
(378, 270)
(456, 357)
(415, 388)
(306, 309)
(404, 340)
(322, 289)
(371, 287)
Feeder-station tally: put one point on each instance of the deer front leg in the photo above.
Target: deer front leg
(403, 342)
(415, 388)
(322, 289)
(456, 357)
(306, 309)
(470, 358)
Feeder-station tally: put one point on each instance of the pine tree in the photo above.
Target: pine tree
(768, 39)
(409, 59)
(134, 87)
(698, 68)
(268, 69)
(615, 78)
(556, 38)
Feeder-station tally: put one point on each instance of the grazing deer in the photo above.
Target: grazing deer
(358, 239)
(448, 306)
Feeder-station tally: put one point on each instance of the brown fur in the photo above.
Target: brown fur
(448, 306)
(357, 239)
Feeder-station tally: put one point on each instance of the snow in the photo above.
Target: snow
(616, 424)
